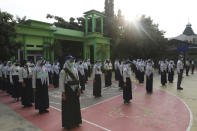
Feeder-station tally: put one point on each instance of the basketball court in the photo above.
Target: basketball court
(151, 112)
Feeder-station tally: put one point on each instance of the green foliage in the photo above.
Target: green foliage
(141, 39)
(21, 20)
(7, 36)
(71, 24)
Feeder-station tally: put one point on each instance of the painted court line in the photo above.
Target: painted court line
(106, 99)
(96, 125)
(190, 112)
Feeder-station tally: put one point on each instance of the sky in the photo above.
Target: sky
(171, 15)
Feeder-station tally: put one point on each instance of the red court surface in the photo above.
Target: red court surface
(159, 111)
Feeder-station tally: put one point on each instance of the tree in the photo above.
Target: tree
(8, 44)
(21, 20)
(71, 24)
(141, 39)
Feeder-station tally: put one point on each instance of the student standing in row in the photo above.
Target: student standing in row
(14, 80)
(25, 77)
(40, 83)
(69, 86)
(55, 69)
(149, 77)
(97, 79)
(179, 72)
(127, 89)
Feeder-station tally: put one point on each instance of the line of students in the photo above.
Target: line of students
(31, 83)
(167, 68)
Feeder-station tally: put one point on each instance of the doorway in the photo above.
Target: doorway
(92, 54)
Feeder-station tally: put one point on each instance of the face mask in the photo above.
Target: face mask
(71, 64)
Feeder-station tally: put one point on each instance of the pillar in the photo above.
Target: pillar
(86, 25)
(25, 50)
(102, 25)
(93, 23)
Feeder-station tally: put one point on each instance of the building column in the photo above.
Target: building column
(93, 23)
(25, 50)
(102, 25)
(52, 52)
(86, 25)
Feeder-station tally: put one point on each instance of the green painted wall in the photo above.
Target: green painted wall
(40, 36)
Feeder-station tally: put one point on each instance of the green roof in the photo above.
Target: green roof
(67, 32)
(94, 12)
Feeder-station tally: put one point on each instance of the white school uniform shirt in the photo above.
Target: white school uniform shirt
(14, 71)
(55, 69)
(1, 73)
(179, 66)
(88, 63)
(162, 66)
(116, 64)
(4, 71)
(7, 70)
(141, 66)
(192, 62)
(97, 70)
(149, 69)
(121, 66)
(85, 65)
(48, 66)
(64, 78)
(23, 73)
(170, 67)
(126, 72)
(81, 69)
(40, 73)
(187, 63)
(108, 66)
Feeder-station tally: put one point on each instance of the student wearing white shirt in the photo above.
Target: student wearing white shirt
(25, 78)
(187, 66)
(1, 75)
(85, 66)
(171, 71)
(49, 69)
(14, 80)
(192, 66)
(40, 83)
(55, 69)
(116, 65)
(179, 72)
(149, 77)
(127, 89)
(69, 86)
(81, 73)
(163, 73)
(97, 79)
(108, 73)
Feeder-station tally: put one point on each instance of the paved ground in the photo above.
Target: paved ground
(188, 95)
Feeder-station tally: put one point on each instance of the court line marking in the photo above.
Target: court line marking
(190, 112)
(96, 125)
(106, 99)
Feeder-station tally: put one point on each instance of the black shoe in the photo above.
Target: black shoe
(30, 105)
(179, 88)
(43, 111)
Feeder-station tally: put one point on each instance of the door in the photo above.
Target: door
(92, 54)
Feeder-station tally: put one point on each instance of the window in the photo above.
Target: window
(30, 45)
(39, 46)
